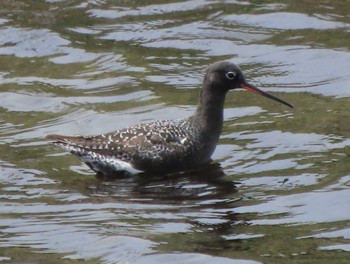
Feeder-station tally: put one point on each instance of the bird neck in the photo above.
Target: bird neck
(210, 111)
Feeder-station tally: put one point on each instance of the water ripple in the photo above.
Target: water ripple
(281, 190)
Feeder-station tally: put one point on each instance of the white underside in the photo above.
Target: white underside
(110, 163)
(101, 163)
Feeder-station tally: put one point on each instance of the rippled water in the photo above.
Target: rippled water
(280, 192)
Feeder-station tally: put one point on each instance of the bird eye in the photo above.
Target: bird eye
(231, 75)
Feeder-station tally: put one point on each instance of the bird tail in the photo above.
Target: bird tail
(60, 139)
(74, 144)
(70, 141)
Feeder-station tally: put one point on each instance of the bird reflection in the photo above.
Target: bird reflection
(207, 182)
(203, 199)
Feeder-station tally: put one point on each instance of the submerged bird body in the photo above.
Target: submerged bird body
(166, 145)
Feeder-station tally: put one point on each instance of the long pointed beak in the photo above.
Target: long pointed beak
(252, 88)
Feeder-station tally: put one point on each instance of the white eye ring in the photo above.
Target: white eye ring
(231, 75)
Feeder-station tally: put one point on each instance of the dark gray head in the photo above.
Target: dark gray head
(224, 76)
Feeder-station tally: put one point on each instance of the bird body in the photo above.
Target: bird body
(165, 145)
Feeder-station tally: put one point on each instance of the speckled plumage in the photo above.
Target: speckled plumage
(155, 146)
(164, 145)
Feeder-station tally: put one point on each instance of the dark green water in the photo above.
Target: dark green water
(282, 191)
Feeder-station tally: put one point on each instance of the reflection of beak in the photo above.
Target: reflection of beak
(251, 88)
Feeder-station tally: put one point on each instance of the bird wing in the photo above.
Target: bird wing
(140, 141)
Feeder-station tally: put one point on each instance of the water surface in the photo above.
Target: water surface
(280, 190)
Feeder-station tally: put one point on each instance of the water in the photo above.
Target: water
(280, 191)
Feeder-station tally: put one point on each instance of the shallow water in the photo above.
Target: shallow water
(280, 190)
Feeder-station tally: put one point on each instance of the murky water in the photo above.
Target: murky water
(281, 190)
